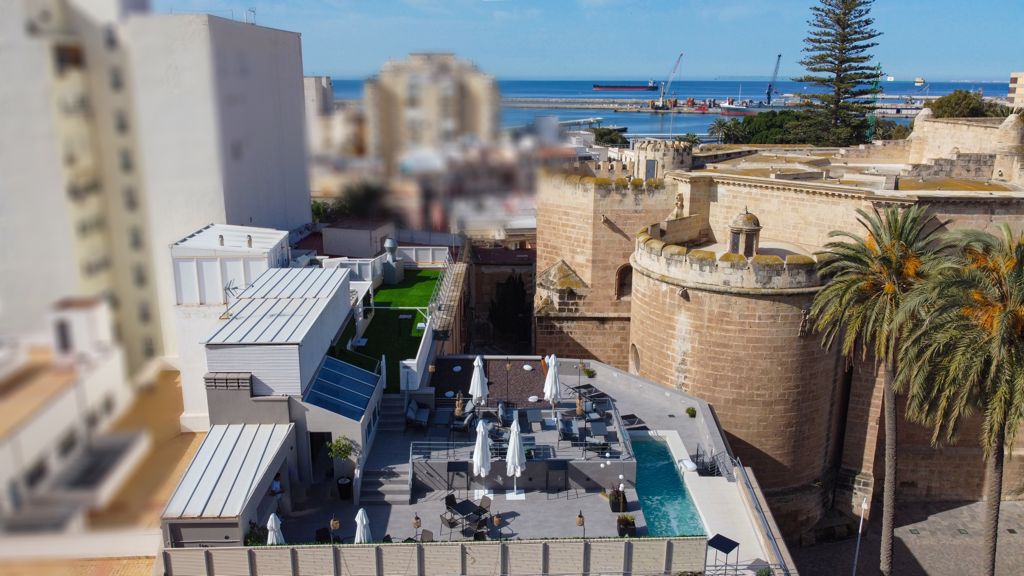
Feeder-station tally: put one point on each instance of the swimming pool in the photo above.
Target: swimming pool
(667, 506)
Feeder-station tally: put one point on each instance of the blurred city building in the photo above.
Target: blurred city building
(1016, 94)
(428, 101)
(56, 400)
(135, 129)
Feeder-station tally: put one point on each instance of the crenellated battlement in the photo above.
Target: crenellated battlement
(716, 269)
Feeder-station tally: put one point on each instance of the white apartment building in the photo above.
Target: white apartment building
(212, 267)
(133, 130)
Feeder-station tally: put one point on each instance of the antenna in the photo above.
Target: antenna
(250, 15)
(230, 291)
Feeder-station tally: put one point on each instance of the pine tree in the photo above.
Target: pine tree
(838, 59)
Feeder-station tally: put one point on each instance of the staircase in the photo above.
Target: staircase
(389, 486)
(392, 413)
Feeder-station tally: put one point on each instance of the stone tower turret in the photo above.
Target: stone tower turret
(656, 157)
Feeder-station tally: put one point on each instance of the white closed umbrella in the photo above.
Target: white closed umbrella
(515, 460)
(552, 385)
(274, 535)
(482, 451)
(363, 535)
(478, 385)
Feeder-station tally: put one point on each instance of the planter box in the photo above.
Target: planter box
(617, 501)
(626, 529)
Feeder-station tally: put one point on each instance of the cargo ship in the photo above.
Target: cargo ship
(650, 87)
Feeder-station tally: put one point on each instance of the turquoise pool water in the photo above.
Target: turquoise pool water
(667, 506)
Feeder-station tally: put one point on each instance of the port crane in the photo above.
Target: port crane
(775, 76)
(666, 86)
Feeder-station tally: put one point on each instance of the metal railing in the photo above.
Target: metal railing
(779, 568)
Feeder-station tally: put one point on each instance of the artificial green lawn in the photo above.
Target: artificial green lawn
(414, 291)
(396, 338)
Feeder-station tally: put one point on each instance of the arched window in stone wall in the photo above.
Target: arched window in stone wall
(624, 282)
(634, 359)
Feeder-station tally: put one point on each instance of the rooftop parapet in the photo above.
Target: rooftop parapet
(775, 267)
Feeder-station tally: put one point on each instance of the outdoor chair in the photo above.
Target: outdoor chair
(450, 521)
(483, 509)
(417, 416)
(450, 502)
(505, 414)
(631, 421)
(426, 535)
(565, 433)
(464, 425)
(599, 447)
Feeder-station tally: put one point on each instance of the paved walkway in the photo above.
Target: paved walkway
(929, 542)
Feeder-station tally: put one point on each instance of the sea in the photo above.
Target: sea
(644, 123)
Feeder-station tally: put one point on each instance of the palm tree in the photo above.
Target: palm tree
(868, 279)
(966, 353)
(718, 128)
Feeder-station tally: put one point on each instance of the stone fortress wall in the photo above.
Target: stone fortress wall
(734, 330)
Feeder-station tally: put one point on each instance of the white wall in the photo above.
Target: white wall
(274, 367)
(356, 243)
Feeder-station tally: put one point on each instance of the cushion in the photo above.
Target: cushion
(411, 412)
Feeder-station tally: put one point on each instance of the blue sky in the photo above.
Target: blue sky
(631, 39)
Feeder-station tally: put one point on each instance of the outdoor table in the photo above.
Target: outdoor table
(534, 416)
(598, 428)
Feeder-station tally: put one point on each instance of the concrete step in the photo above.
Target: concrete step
(370, 499)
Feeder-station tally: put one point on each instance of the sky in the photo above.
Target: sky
(940, 40)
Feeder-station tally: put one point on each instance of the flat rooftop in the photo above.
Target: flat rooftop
(230, 238)
(279, 307)
(30, 388)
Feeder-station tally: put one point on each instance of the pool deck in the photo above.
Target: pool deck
(719, 502)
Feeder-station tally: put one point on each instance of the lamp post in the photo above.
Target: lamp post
(416, 524)
(860, 531)
(582, 523)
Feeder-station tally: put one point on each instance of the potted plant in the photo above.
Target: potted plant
(617, 500)
(626, 525)
(691, 412)
(341, 449)
(590, 372)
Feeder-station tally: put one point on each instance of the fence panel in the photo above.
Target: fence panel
(316, 561)
(482, 559)
(358, 560)
(607, 555)
(275, 561)
(688, 554)
(187, 561)
(649, 556)
(525, 557)
(442, 559)
(230, 562)
(565, 557)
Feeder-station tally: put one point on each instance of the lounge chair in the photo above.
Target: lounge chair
(565, 432)
(599, 447)
(631, 421)
(417, 416)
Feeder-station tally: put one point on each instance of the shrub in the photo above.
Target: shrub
(590, 372)
(621, 182)
(691, 412)
(765, 572)
(257, 535)
(341, 448)
(627, 519)
(636, 183)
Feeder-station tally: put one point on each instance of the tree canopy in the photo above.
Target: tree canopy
(965, 104)
(838, 59)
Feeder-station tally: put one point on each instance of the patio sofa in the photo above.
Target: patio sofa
(416, 415)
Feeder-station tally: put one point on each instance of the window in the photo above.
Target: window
(139, 275)
(136, 238)
(120, 121)
(67, 444)
(108, 405)
(624, 282)
(127, 162)
(36, 474)
(63, 336)
(131, 201)
(110, 36)
(68, 57)
(144, 314)
(148, 348)
(236, 150)
(116, 81)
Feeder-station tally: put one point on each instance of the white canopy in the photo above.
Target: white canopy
(478, 385)
(515, 458)
(274, 535)
(482, 451)
(363, 535)
(552, 385)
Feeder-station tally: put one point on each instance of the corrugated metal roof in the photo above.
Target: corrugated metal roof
(279, 307)
(236, 238)
(223, 475)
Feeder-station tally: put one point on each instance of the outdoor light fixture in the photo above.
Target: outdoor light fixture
(431, 368)
(581, 523)
(416, 522)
